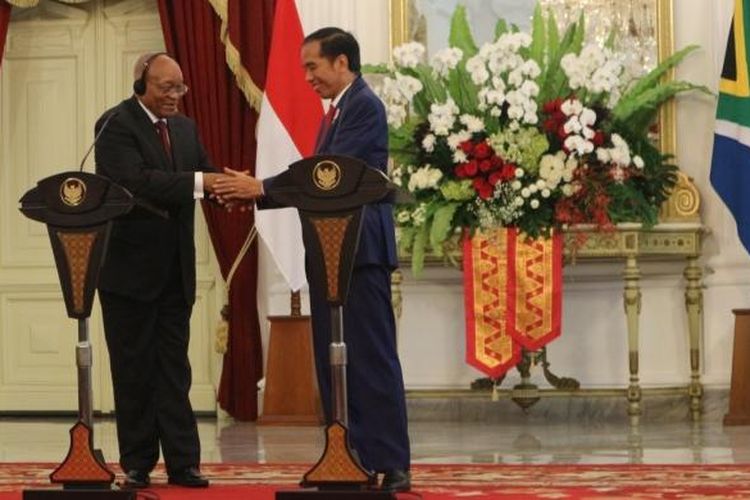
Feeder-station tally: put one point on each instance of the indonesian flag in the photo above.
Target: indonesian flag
(290, 115)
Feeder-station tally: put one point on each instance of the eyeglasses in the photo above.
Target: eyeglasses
(179, 89)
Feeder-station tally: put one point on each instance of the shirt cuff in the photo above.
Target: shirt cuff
(198, 187)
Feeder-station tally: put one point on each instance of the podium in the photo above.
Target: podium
(78, 209)
(330, 193)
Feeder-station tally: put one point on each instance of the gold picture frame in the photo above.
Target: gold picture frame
(685, 200)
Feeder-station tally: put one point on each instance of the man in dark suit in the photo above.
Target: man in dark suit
(147, 283)
(355, 125)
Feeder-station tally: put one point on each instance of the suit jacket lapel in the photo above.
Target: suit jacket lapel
(175, 137)
(340, 113)
(147, 130)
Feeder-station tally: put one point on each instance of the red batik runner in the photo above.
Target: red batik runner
(512, 296)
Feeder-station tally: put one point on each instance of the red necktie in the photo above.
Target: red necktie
(325, 125)
(163, 131)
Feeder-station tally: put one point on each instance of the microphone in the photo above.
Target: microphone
(96, 138)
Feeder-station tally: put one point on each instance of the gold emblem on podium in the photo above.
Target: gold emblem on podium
(73, 191)
(326, 175)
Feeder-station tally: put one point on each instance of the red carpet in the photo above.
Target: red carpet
(451, 482)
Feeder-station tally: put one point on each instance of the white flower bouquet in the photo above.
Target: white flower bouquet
(535, 130)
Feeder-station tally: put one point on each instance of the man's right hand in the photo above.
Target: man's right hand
(210, 179)
(236, 185)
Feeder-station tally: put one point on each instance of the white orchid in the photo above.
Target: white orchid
(409, 55)
(445, 60)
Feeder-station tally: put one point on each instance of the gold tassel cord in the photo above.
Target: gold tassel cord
(252, 93)
(25, 4)
(221, 344)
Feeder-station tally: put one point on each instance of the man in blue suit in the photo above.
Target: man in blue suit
(355, 125)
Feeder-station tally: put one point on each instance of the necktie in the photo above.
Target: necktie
(161, 128)
(325, 126)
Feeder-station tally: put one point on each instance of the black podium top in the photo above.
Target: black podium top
(330, 193)
(78, 208)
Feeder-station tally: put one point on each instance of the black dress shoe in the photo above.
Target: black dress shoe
(396, 480)
(136, 478)
(190, 477)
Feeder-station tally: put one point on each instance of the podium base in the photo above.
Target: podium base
(312, 494)
(78, 494)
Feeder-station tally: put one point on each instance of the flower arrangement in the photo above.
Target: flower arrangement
(535, 130)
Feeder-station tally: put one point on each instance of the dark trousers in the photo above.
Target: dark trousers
(376, 399)
(148, 352)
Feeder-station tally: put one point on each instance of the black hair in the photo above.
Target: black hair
(334, 42)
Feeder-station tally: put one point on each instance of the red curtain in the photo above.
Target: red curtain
(4, 20)
(227, 126)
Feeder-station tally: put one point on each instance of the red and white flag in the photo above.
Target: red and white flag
(290, 115)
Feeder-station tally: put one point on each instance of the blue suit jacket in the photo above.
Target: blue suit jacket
(360, 130)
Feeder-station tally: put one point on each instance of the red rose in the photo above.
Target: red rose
(550, 125)
(471, 168)
(497, 162)
(496, 177)
(460, 170)
(552, 106)
(483, 188)
(598, 139)
(561, 133)
(482, 151)
(486, 191)
(485, 165)
(508, 172)
(467, 147)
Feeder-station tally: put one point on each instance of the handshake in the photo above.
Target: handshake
(232, 188)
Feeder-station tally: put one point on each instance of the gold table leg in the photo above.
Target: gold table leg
(694, 305)
(632, 298)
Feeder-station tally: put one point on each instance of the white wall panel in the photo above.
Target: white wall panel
(63, 66)
(37, 348)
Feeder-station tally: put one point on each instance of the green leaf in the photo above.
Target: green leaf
(553, 34)
(463, 90)
(419, 248)
(460, 34)
(653, 77)
(611, 39)
(434, 90)
(579, 34)
(538, 36)
(501, 28)
(441, 226)
(552, 81)
(637, 113)
(376, 68)
(406, 239)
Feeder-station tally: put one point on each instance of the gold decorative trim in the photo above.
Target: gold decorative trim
(684, 201)
(25, 4)
(399, 26)
(252, 92)
(665, 47)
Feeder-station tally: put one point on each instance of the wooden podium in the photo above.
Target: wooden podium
(291, 395)
(739, 394)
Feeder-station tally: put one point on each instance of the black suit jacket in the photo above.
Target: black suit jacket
(142, 249)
